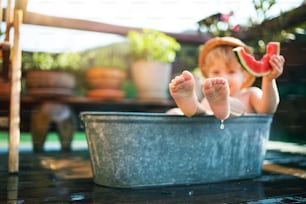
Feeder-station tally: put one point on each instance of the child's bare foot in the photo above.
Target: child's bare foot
(182, 89)
(216, 91)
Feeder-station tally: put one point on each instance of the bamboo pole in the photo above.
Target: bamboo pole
(14, 131)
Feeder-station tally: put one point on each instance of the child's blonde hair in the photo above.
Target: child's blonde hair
(226, 53)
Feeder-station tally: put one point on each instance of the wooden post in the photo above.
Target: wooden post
(14, 131)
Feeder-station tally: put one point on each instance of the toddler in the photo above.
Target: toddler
(227, 86)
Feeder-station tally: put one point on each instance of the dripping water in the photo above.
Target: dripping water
(222, 125)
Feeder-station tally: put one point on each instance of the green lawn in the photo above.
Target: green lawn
(52, 136)
(52, 142)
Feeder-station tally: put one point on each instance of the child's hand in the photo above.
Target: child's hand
(277, 64)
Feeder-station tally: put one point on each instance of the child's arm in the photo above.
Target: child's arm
(268, 101)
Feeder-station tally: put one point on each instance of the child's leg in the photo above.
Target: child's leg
(216, 91)
(182, 89)
(236, 107)
(175, 111)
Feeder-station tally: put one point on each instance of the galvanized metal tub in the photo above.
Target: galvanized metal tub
(155, 149)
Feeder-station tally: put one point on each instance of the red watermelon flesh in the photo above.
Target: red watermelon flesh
(255, 67)
(273, 48)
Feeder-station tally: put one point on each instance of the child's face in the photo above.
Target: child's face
(231, 71)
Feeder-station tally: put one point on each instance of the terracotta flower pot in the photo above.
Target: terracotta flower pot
(4, 88)
(47, 83)
(105, 83)
(100, 77)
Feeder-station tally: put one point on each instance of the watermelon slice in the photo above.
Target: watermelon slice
(255, 67)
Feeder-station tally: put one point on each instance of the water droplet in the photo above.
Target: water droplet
(222, 125)
(190, 193)
(78, 196)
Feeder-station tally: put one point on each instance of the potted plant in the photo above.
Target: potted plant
(152, 53)
(107, 72)
(49, 75)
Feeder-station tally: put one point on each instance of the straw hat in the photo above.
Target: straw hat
(219, 41)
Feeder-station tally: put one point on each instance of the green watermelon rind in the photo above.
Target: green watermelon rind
(237, 51)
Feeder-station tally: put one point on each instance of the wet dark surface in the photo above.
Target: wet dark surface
(57, 177)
